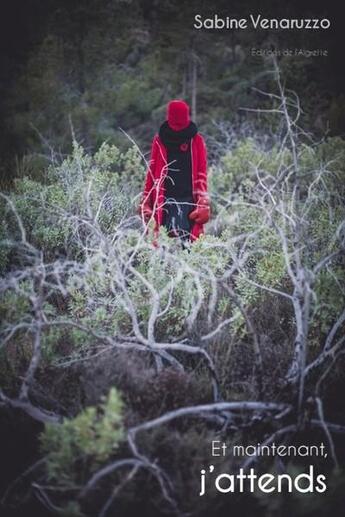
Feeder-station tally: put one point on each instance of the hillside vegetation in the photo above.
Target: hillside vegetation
(132, 357)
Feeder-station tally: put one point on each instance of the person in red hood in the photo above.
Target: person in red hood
(175, 190)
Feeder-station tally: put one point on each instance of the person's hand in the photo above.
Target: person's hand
(201, 214)
(146, 212)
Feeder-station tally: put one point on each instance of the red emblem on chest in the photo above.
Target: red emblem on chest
(184, 147)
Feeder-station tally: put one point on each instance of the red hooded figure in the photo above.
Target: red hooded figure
(175, 191)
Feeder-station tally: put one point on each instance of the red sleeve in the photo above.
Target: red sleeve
(202, 168)
(150, 175)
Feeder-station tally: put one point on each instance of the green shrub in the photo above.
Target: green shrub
(54, 212)
(81, 444)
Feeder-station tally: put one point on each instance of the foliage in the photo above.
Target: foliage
(86, 274)
(80, 444)
(50, 210)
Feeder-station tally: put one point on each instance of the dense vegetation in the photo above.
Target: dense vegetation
(95, 66)
(133, 357)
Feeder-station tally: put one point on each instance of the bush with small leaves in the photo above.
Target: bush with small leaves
(81, 444)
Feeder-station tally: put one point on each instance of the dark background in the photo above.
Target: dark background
(100, 65)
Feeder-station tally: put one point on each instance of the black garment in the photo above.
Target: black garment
(176, 217)
(178, 182)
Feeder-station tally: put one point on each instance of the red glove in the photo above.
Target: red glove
(146, 212)
(201, 214)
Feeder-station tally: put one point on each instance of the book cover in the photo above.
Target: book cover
(172, 258)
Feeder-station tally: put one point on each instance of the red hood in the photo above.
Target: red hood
(178, 115)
